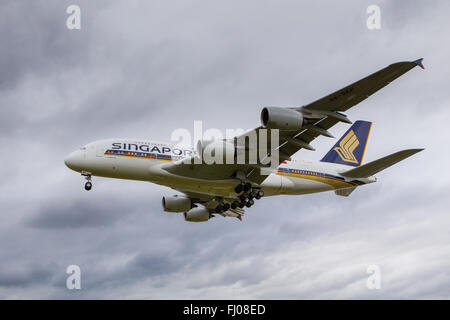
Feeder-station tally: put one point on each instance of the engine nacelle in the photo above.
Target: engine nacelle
(281, 118)
(176, 204)
(197, 214)
(216, 151)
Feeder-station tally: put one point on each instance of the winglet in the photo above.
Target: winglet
(419, 63)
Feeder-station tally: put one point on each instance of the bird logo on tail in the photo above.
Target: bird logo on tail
(347, 146)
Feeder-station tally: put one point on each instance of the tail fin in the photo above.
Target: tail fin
(350, 148)
(373, 167)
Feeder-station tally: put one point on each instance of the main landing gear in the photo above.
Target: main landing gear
(247, 194)
(243, 187)
(245, 199)
(88, 184)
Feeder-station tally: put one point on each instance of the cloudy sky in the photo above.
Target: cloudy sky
(144, 68)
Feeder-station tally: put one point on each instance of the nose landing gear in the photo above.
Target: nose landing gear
(88, 184)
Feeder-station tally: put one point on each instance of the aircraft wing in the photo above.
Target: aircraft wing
(317, 118)
(347, 97)
(328, 109)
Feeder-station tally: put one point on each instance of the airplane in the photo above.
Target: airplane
(226, 188)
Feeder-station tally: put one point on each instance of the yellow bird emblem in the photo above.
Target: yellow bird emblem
(347, 146)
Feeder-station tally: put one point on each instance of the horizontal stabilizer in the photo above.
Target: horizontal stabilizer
(344, 192)
(373, 167)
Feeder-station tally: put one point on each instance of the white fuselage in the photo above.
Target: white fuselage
(143, 160)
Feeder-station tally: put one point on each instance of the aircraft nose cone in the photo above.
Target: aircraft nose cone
(73, 161)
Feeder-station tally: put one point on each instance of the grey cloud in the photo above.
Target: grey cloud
(142, 69)
(37, 41)
(78, 214)
(24, 275)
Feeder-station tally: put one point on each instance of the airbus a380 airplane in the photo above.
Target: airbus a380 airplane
(225, 189)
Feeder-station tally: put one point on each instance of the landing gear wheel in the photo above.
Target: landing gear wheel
(241, 204)
(247, 186)
(225, 207)
(88, 176)
(243, 197)
(259, 194)
(234, 205)
(239, 188)
(249, 203)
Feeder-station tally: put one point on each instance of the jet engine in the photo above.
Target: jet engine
(176, 204)
(197, 214)
(216, 151)
(281, 118)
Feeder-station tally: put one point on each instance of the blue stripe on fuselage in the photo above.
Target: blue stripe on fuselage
(317, 174)
(165, 157)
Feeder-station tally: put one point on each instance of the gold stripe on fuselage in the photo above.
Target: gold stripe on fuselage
(334, 182)
(139, 156)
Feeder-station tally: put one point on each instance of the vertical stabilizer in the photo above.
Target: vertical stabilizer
(349, 150)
